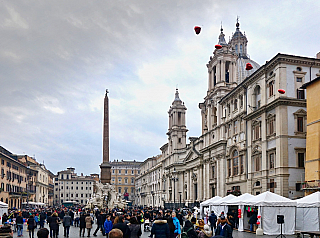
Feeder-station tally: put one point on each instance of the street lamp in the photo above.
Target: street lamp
(180, 198)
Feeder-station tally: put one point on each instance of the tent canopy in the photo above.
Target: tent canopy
(269, 199)
(312, 200)
(220, 201)
(3, 205)
(207, 202)
(241, 200)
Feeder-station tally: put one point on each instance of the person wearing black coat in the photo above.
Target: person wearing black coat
(100, 223)
(213, 221)
(54, 225)
(123, 227)
(160, 228)
(82, 224)
(49, 219)
(188, 227)
(31, 225)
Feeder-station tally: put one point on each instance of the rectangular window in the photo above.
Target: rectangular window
(300, 124)
(257, 163)
(301, 160)
(235, 127)
(212, 175)
(299, 79)
(229, 168)
(241, 165)
(298, 187)
(235, 166)
(119, 171)
(270, 127)
(271, 161)
(300, 94)
(270, 88)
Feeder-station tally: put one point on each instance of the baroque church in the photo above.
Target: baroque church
(253, 138)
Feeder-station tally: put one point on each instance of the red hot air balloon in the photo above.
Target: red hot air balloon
(218, 47)
(249, 66)
(281, 91)
(197, 29)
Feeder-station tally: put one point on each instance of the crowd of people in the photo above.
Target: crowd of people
(126, 223)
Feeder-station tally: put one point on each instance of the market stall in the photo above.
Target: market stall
(308, 213)
(242, 213)
(205, 207)
(269, 206)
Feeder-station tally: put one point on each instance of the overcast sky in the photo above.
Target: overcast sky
(59, 57)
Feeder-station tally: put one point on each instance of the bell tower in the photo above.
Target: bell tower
(177, 132)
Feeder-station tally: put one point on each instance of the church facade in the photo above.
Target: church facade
(253, 137)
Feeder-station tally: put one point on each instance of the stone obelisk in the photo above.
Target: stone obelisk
(105, 167)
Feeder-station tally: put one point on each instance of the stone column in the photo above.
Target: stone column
(200, 183)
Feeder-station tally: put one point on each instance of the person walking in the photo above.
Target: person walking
(31, 225)
(135, 228)
(160, 228)
(77, 219)
(66, 224)
(213, 221)
(171, 227)
(19, 222)
(176, 223)
(123, 227)
(253, 220)
(100, 224)
(224, 229)
(188, 230)
(89, 223)
(54, 224)
(82, 220)
(108, 225)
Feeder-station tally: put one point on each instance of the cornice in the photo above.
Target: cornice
(279, 101)
(214, 145)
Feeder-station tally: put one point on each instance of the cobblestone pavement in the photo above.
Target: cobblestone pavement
(74, 233)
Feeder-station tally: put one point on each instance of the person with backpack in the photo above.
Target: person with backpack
(188, 230)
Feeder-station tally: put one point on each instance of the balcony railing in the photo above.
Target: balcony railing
(311, 185)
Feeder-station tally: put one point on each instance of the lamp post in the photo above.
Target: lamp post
(180, 198)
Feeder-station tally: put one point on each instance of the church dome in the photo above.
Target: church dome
(242, 73)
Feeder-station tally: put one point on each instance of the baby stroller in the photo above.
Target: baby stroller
(147, 225)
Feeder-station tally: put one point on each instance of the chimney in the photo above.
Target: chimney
(318, 55)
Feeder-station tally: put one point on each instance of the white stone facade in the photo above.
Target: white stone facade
(253, 138)
(68, 186)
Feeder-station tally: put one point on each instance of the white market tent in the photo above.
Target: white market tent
(206, 204)
(308, 213)
(240, 201)
(3, 208)
(218, 205)
(269, 206)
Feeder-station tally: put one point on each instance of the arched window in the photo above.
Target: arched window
(235, 162)
(241, 52)
(236, 49)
